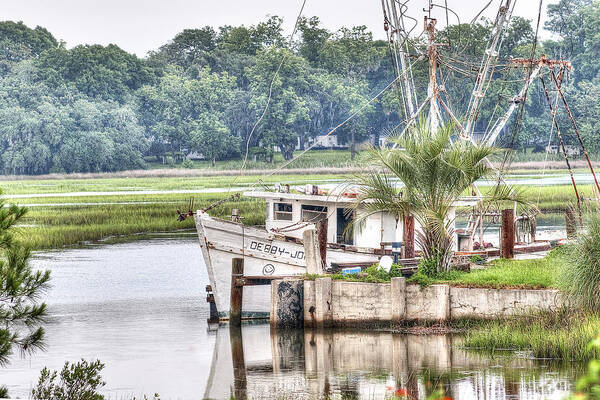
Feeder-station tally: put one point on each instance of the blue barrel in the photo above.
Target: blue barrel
(396, 248)
(351, 271)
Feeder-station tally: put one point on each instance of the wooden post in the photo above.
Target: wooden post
(322, 228)
(237, 291)
(507, 245)
(571, 223)
(312, 254)
(239, 364)
(408, 236)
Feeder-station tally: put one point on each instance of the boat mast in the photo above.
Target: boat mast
(488, 64)
(398, 38)
(434, 118)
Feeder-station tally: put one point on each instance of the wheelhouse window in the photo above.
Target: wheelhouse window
(344, 229)
(282, 211)
(313, 213)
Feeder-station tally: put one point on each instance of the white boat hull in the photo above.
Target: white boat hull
(264, 254)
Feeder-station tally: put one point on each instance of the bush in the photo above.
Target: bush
(477, 259)
(372, 274)
(80, 381)
(187, 163)
(580, 277)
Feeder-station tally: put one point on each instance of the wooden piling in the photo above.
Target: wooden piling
(237, 291)
(239, 364)
(312, 253)
(571, 223)
(408, 236)
(322, 228)
(507, 239)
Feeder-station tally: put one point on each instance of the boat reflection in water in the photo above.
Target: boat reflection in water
(255, 362)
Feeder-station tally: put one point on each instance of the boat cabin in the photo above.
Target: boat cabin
(291, 213)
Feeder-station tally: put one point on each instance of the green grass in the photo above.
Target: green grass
(551, 198)
(39, 186)
(51, 227)
(311, 159)
(525, 274)
(561, 335)
(63, 220)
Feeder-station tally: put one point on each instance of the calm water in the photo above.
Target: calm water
(140, 308)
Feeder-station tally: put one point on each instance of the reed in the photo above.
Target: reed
(58, 226)
(580, 277)
(559, 335)
(36, 186)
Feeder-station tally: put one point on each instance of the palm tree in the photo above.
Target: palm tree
(434, 172)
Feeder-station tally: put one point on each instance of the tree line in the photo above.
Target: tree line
(98, 108)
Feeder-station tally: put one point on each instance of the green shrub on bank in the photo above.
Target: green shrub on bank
(372, 274)
(580, 277)
(588, 386)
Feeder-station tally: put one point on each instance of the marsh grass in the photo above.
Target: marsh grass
(580, 277)
(556, 198)
(561, 335)
(36, 186)
(58, 226)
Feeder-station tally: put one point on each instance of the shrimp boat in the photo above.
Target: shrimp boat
(277, 249)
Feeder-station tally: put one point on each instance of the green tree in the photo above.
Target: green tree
(287, 112)
(18, 43)
(213, 139)
(106, 73)
(189, 48)
(313, 39)
(21, 312)
(179, 111)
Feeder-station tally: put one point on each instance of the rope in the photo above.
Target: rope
(547, 150)
(517, 126)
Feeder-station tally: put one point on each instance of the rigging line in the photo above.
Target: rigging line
(564, 151)
(517, 127)
(258, 121)
(568, 110)
(481, 12)
(547, 151)
(393, 54)
(485, 77)
(500, 94)
(331, 132)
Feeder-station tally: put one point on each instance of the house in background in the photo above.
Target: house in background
(572, 151)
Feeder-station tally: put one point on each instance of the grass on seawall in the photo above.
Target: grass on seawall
(501, 273)
(498, 274)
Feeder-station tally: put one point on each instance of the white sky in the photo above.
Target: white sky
(142, 25)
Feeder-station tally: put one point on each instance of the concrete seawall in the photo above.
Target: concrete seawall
(327, 303)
